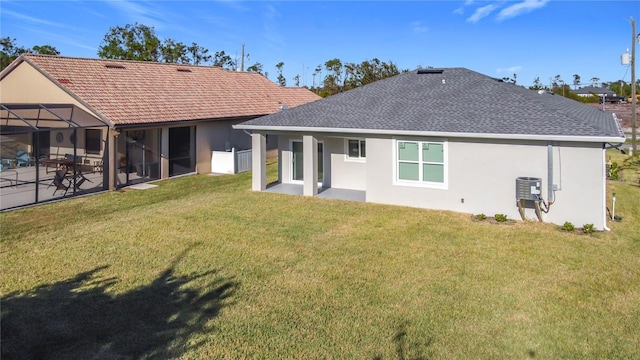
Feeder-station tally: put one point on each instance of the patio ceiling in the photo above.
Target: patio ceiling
(16, 118)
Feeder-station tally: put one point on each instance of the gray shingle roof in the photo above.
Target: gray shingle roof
(457, 100)
(589, 90)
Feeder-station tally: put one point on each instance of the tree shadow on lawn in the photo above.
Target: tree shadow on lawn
(410, 350)
(78, 319)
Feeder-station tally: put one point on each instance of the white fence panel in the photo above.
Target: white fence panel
(230, 162)
(243, 160)
(222, 162)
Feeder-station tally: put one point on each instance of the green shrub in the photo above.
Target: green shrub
(481, 217)
(588, 228)
(567, 226)
(614, 171)
(500, 217)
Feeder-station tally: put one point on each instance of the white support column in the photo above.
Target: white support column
(258, 162)
(310, 157)
(109, 167)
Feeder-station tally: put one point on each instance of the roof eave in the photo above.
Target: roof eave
(595, 139)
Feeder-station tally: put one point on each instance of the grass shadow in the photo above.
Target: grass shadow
(78, 318)
(406, 349)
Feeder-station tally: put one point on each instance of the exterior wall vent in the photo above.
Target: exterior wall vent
(430, 71)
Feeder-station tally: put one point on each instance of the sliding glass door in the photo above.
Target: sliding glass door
(181, 151)
(138, 156)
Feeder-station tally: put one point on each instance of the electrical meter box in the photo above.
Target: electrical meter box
(528, 188)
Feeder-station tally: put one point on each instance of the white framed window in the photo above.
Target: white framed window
(356, 149)
(421, 163)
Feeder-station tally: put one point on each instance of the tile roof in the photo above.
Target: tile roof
(456, 100)
(135, 92)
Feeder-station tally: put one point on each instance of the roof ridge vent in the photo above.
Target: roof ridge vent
(182, 69)
(430, 71)
(114, 66)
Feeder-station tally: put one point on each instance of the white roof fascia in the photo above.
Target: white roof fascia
(605, 139)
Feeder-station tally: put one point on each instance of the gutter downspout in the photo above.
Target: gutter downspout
(604, 188)
(550, 174)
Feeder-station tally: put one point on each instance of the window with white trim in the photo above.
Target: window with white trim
(356, 149)
(421, 161)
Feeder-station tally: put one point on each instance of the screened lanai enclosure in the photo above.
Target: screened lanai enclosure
(50, 151)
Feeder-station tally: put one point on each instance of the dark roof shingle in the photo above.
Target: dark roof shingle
(457, 100)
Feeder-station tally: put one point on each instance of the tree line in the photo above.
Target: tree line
(140, 42)
(560, 87)
(10, 51)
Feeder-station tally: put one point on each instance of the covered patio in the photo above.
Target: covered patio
(50, 151)
(326, 193)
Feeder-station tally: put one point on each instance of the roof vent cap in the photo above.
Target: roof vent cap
(114, 66)
(430, 71)
(184, 70)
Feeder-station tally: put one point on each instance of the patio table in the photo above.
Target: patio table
(57, 164)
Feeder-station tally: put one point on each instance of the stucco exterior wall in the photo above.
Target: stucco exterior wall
(28, 85)
(482, 174)
(217, 136)
(346, 173)
(339, 172)
(284, 159)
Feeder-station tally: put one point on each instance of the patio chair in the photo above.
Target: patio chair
(23, 159)
(97, 166)
(61, 182)
(8, 175)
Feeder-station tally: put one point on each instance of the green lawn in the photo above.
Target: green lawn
(201, 267)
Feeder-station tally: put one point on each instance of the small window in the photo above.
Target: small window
(356, 149)
(93, 140)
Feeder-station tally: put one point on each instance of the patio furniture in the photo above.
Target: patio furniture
(77, 158)
(23, 159)
(7, 175)
(61, 181)
(57, 164)
(97, 166)
(79, 180)
(7, 163)
(85, 168)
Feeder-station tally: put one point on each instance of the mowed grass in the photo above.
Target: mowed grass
(202, 267)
